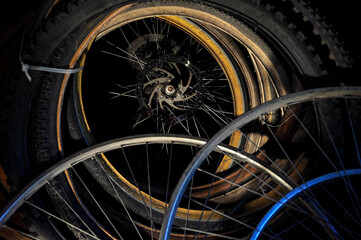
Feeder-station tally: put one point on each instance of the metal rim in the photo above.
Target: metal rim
(236, 124)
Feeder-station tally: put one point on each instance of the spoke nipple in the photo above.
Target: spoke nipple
(263, 119)
(169, 79)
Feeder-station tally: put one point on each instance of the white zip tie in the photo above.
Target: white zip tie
(25, 67)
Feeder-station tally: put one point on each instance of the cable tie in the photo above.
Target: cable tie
(25, 67)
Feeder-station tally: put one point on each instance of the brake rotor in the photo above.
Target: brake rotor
(169, 89)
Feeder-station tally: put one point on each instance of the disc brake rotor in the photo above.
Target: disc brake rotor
(169, 89)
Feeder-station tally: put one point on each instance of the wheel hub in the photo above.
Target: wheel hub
(169, 89)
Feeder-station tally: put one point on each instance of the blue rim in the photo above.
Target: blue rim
(294, 193)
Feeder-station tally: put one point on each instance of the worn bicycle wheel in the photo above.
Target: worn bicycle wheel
(122, 221)
(322, 149)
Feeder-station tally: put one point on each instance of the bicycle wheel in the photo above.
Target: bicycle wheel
(121, 221)
(312, 134)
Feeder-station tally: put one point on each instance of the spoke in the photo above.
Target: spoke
(97, 203)
(284, 151)
(268, 158)
(353, 130)
(210, 80)
(312, 138)
(134, 31)
(257, 177)
(220, 202)
(140, 193)
(346, 178)
(69, 206)
(189, 203)
(124, 94)
(222, 113)
(291, 180)
(61, 220)
(200, 124)
(185, 128)
(295, 207)
(220, 124)
(205, 202)
(153, 34)
(240, 186)
(128, 59)
(130, 46)
(129, 87)
(149, 187)
(287, 229)
(127, 53)
(209, 233)
(226, 216)
(213, 97)
(196, 126)
(167, 35)
(168, 177)
(119, 198)
(139, 121)
(303, 225)
(358, 222)
(21, 233)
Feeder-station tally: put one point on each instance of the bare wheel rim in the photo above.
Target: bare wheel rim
(259, 114)
(70, 164)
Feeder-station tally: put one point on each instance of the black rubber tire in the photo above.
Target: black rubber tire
(28, 110)
(299, 28)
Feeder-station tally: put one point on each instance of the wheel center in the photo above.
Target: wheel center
(169, 89)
